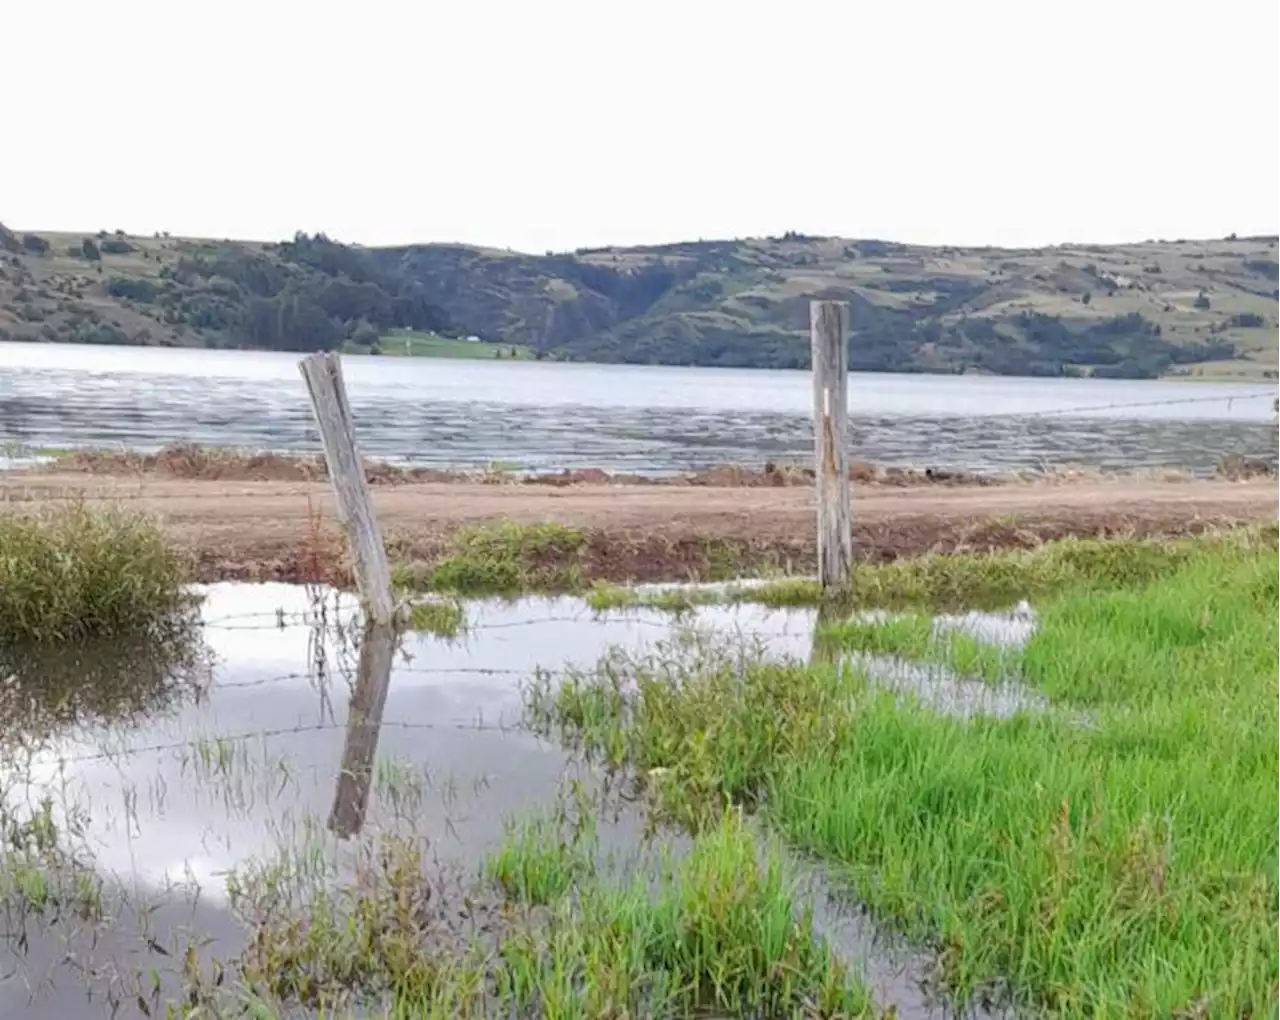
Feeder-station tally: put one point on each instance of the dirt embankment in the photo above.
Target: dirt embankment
(208, 463)
(284, 529)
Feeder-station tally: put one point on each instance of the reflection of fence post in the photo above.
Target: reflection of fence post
(827, 329)
(826, 651)
(364, 722)
(323, 373)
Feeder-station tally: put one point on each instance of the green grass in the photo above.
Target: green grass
(721, 935)
(912, 636)
(1000, 579)
(512, 558)
(1124, 865)
(538, 864)
(79, 572)
(717, 933)
(948, 581)
(40, 878)
(509, 558)
(408, 343)
(1174, 624)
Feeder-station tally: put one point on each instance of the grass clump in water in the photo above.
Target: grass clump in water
(718, 933)
(699, 723)
(538, 863)
(915, 637)
(79, 572)
(721, 934)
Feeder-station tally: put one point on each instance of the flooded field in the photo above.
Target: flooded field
(269, 739)
(181, 820)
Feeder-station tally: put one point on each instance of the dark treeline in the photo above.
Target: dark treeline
(307, 294)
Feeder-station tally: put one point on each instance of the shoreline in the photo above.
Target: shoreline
(285, 530)
(196, 462)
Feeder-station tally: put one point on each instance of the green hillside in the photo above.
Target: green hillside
(1199, 308)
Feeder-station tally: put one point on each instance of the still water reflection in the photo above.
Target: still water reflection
(273, 734)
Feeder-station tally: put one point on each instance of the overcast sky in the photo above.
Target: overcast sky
(559, 124)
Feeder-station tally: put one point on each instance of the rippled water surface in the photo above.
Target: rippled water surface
(543, 416)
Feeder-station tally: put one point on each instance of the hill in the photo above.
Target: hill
(1142, 310)
(306, 294)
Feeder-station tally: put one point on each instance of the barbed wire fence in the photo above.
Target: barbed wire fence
(322, 625)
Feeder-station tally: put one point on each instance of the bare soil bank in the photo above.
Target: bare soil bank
(284, 530)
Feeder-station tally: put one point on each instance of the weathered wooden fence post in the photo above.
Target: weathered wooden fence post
(828, 322)
(323, 373)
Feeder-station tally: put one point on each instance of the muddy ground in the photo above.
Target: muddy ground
(284, 529)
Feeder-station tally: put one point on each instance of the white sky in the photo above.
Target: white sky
(562, 123)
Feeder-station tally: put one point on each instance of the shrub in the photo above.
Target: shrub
(89, 249)
(79, 572)
(35, 244)
(116, 246)
(134, 289)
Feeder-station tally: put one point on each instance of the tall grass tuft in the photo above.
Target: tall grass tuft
(79, 572)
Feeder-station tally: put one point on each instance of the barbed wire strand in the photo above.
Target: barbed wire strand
(197, 740)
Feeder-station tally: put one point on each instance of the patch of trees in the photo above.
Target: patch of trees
(633, 291)
(307, 294)
(134, 289)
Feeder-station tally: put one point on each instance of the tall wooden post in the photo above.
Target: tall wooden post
(323, 373)
(828, 323)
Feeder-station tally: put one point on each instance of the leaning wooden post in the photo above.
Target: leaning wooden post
(323, 373)
(827, 329)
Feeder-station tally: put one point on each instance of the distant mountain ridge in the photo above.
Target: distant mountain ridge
(1140, 310)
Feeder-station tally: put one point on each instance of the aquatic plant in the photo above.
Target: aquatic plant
(79, 571)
